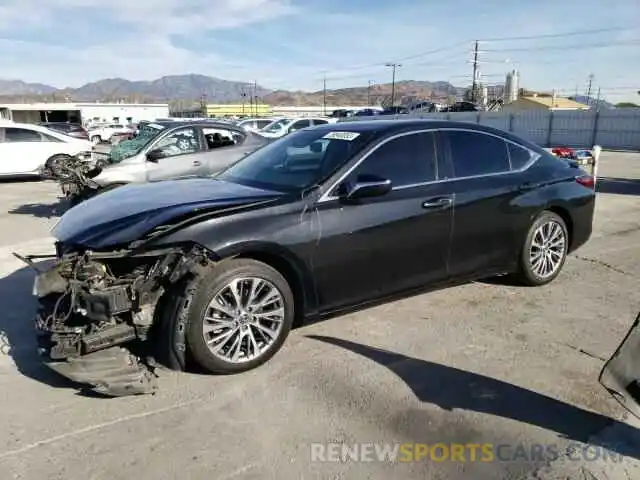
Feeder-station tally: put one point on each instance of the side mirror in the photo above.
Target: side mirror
(155, 155)
(366, 186)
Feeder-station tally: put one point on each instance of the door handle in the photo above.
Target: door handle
(197, 163)
(523, 187)
(443, 202)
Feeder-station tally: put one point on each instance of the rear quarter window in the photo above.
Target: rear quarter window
(519, 156)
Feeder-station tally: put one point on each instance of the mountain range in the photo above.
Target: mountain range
(193, 89)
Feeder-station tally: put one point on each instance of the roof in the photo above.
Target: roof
(392, 126)
(558, 102)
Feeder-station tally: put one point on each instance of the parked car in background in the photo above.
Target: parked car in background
(284, 126)
(315, 223)
(103, 133)
(25, 148)
(367, 112)
(162, 151)
(395, 110)
(564, 152)
(341, 113)
(254, 124)
(72, 129)
(462, 107)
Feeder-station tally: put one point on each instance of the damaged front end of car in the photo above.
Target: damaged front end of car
(99, 314)
(74, 175)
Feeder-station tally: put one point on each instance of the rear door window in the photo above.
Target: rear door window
(22, 135)
(476, 153)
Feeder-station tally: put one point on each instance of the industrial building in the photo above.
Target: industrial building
(83, 113)
(536, 102)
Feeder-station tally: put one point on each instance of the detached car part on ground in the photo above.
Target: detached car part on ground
(216, 271)
(160, 151)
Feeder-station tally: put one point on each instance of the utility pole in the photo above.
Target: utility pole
(474, 84)
(393, 80)
(598, 100)
(255, 95)
(324, 95)
(369, 93)
(589, 88)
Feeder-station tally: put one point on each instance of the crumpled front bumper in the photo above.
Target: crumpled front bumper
(98, 361)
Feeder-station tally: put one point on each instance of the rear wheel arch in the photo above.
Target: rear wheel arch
(566, 217)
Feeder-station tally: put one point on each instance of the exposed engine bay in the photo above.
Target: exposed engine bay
(74, 175)
(100, 314)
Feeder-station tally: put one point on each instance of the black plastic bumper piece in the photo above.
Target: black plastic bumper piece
(113, 372)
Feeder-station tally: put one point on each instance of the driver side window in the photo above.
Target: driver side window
(179, 142)
(405, 160)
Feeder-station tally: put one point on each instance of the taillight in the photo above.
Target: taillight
(586, 180)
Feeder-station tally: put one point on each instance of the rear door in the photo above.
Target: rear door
(620, 375)
(222, 147)
(481, 179)
(181, 149)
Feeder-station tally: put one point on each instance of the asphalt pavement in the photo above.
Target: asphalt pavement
(481, 364)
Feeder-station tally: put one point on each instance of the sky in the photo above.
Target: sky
(294, 44)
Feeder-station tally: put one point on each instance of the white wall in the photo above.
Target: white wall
(615, 128)
(106, 113)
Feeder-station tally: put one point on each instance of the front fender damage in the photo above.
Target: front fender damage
(107, 320)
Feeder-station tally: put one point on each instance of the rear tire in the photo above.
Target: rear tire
(212, 335)
(544, 251)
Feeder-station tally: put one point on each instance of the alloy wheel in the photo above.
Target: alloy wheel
(548, 248)
(244, 319)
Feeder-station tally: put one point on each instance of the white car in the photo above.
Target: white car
(255, 124)
(25, 148)
(103, 133)
(282, 127)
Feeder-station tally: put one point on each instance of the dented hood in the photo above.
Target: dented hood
(126, 213)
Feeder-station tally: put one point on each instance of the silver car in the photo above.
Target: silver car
(163, 150)
(173, 150)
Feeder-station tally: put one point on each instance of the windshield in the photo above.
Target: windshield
(297, 161)
(276, 126)
(129, 148)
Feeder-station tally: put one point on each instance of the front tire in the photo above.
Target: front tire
(544, 251)
(239, 316)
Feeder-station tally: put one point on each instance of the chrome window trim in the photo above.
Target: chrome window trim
(326, 197)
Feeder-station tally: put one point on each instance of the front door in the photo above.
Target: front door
(181, 157)
(389, 243)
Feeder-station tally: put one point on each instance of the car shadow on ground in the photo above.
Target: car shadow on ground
(17, 336)
(451, 388)
(619, 186)
(41, 210)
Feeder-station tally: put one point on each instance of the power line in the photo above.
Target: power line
(560, 35)
(580, 46)
(496, 39)
(402, 59)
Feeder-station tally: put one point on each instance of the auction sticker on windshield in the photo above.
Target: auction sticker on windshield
(342, 136)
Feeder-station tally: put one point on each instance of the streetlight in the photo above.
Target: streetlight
(371, 84)
(393, 80)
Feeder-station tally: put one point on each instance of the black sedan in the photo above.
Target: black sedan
(217, 271)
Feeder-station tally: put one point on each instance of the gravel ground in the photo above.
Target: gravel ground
(479, 363)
